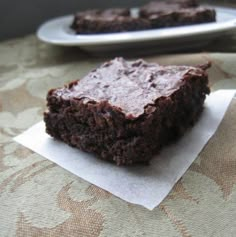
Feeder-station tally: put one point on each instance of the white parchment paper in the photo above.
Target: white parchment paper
(143, 185)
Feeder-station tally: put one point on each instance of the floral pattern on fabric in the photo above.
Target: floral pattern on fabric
(38, 198)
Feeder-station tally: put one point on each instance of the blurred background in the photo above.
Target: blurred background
(19, 18)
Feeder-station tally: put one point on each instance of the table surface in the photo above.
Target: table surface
(39, 198)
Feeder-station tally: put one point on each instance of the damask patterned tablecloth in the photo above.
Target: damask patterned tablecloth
(39, 198)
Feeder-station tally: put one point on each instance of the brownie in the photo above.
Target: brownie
(184, 3)
(126, 111)
(107, 21)
(176, 13)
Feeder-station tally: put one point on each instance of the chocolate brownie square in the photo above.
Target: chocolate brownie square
(176, 13)
(107, 21)
(126, 111)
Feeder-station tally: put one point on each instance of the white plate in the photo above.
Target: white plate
(57, 31)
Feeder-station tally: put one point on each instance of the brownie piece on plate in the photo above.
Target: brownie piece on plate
(125, 111)
(107, 21)
(176, 13)
(184, 3)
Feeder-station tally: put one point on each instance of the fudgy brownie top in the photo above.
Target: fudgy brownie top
(105, 15)
(159, 7)
(128, 86)
(184, 3)
(156, 8)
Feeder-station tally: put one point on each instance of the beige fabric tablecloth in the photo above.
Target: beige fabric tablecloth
(38, 198)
